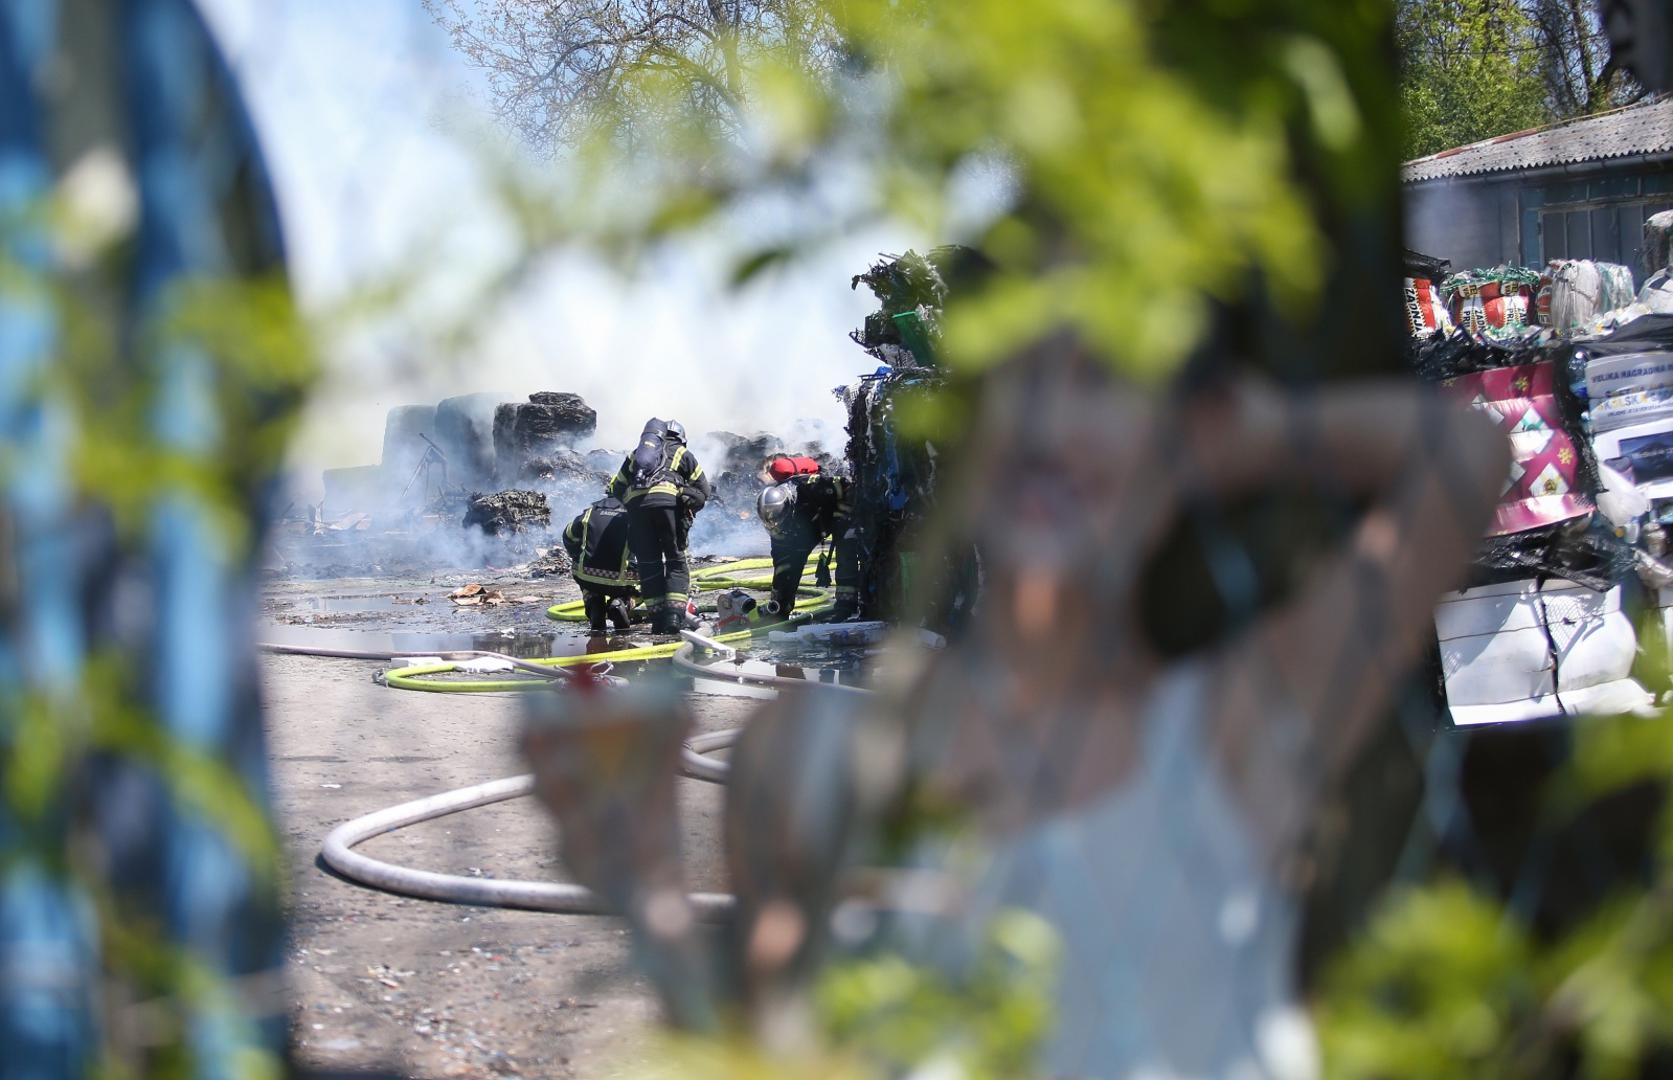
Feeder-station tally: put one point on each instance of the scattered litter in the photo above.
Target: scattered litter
(475, 594)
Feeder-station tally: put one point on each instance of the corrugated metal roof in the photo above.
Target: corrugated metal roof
(1645, 128)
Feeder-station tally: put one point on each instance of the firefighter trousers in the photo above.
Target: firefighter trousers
(656, 535)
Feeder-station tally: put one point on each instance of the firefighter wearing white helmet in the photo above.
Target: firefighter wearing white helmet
(800, 513)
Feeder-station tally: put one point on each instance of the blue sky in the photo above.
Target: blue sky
(373, 127)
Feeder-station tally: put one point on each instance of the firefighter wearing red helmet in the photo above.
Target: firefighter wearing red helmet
(801, 512)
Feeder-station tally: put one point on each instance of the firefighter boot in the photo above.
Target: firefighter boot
(621, 616)
(595, 607)
(665, 618)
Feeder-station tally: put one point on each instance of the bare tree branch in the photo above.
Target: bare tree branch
(555, 67)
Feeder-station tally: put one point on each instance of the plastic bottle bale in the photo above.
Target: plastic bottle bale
(1576, 293)
(1657, 252)
(465, 432)
(1617, 290)
(403, 449)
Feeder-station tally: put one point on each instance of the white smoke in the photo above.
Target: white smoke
(385, 170)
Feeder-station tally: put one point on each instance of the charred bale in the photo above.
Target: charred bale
(505, 512)
(571, 411)
(736, 474)
(539, 428)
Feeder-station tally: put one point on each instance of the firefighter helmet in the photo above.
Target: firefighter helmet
(774, 504)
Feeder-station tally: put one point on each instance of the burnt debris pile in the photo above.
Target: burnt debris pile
(508, 512)
(537, 438)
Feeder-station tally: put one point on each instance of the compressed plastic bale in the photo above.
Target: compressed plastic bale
(1657, 252)
(1496, 642)
(465, 432)
(403, 448)
(1617, 291)
(1657, 293)
(1425, 313)
(1576, 293)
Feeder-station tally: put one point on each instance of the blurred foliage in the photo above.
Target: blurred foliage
(1449, 980)
(879, 1016)
(136, 445)
(552, 65)
(987, 1023)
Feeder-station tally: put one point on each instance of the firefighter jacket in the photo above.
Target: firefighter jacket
(822, 509)
(822, 502)
(597, 544)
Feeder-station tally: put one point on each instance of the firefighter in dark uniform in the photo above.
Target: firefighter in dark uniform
(663, 487)
(597, 544)
(800, 513)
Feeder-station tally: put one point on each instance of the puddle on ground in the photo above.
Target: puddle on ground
(525, 644)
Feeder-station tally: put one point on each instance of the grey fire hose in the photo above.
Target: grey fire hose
(684, 662)
(562, 897)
